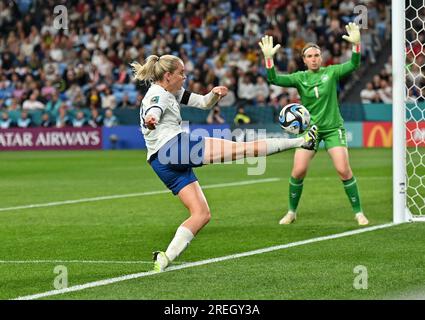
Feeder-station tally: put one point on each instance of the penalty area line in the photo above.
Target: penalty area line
(200, 263)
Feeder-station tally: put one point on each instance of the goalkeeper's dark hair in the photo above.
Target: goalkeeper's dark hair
(154, 67)
(308, 46)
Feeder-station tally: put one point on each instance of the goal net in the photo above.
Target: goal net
(414, 103)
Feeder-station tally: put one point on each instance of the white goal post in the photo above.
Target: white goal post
(408, 55)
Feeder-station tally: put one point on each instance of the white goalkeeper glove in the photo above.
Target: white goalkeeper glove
(353, 31)
(266, 45)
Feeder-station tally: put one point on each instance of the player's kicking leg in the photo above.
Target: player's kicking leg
(221, 150)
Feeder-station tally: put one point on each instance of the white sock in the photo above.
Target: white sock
(180, 241)
(275, 145)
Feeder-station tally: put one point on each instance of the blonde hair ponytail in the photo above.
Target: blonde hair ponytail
(155, 67)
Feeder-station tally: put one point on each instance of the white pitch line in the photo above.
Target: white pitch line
(150, 193)
(129, 195)
(76, 261)
(199, 263)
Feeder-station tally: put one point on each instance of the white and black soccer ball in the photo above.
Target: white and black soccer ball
(294, 118)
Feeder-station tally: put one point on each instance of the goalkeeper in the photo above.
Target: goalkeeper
(317, 88)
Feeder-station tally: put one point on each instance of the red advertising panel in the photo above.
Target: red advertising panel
(380, 134)
(415, 134)
(51, 139)
(377, 134)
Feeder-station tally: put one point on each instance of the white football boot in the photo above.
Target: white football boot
(288, 218)
(361, 219)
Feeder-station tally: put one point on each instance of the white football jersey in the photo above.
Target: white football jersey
(169, 122)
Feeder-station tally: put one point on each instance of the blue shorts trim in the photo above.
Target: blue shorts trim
(173, 163)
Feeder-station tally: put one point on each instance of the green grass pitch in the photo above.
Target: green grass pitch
(244, 218)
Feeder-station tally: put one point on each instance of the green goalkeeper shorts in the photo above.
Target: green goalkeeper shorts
(332, 138)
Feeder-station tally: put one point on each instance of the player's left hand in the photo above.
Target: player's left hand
(266, 45)
(353, 31)
(221, 91)
(151, 122)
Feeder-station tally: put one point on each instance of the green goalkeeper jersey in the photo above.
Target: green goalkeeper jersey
(318, 90)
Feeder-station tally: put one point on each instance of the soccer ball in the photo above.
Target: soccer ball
(294, 118)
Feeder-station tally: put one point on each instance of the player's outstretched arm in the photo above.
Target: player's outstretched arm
(266, 45)
(353, 36)
(284, 80)
(206, 101)
(353, 31)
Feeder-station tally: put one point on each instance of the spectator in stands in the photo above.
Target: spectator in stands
(79, 120)
(32, 103)
(109, 119)
(51, 70)
(104, 37)
(108, 99)
(215, 116)
(74, 93)
(369, 44)
(79, 102)
(385, 93)
(19, 92)
(246, 90)
(241, 117)
(12, 104)
(346, 7)
(261, 87)
(388, 66)
(45, 120)
(369, 95)
(5, 121)
(125, 102)
(62, 119)
(376, 82)
(229, 99)
(96, 119)
(48, 90)
(24, 121)
(54, 103)
(260, 100)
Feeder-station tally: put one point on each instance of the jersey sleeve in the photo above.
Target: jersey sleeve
(183, 96)
(283, 80)
(197, 100)
(344, 69)
(155, 104)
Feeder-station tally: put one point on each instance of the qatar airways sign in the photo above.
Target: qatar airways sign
(51, 139)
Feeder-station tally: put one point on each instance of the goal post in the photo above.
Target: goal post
(408, 55)
(399, 113)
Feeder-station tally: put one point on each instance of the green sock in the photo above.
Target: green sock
(295, 190)
(352, 192)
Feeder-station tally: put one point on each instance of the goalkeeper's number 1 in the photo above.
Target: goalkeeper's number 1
(316, 92)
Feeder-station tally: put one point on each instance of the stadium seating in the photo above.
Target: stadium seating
(130, 42)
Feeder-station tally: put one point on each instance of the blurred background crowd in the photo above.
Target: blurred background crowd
(81, 76)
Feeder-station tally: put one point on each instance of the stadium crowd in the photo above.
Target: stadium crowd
(83, 71)
(379, 90)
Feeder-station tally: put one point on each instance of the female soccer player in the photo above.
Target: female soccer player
(172, 153)
(317, 88)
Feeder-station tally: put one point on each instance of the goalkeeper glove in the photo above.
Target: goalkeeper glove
(353, 31)
(266, 45)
